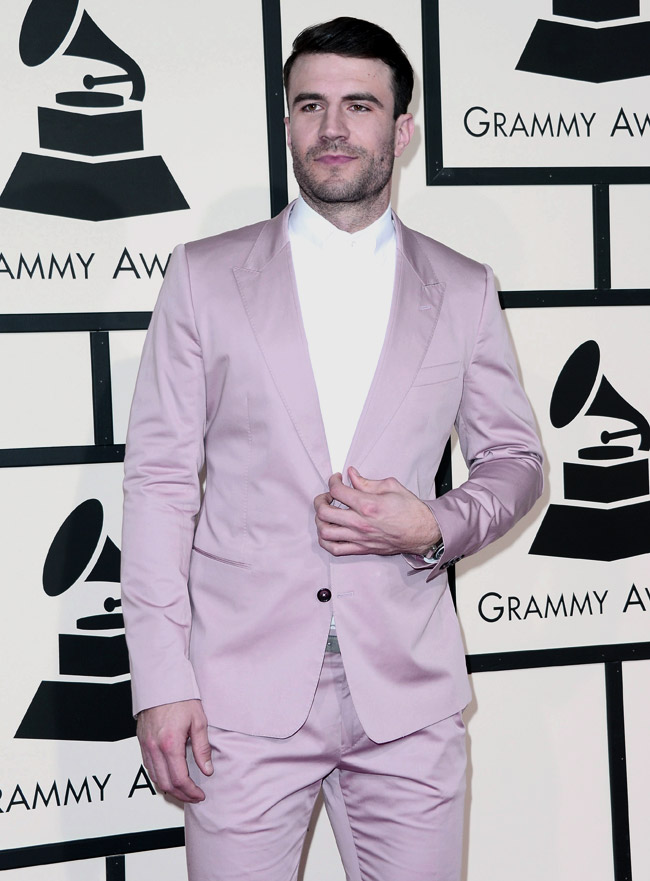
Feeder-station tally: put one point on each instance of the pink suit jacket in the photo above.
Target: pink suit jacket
(220, 584)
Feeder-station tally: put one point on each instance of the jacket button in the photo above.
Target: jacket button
(324, 595)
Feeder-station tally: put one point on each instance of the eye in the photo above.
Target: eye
(359, 108)
(310, 108)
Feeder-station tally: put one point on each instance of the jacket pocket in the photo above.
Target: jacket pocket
(225, 560)
(437, 373)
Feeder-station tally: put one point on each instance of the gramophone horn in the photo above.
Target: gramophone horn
(73, 548)
(45, 28)
(574, 386)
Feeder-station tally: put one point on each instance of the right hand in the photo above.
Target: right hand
(163, 733)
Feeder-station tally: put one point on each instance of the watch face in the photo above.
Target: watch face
(435, 552)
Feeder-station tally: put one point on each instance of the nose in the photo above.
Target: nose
(333, 125)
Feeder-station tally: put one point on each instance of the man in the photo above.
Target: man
(290, 652)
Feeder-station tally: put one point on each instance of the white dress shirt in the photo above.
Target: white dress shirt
(345, 287)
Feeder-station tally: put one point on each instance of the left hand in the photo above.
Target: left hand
(380, 517)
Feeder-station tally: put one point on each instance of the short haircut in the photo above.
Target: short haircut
(356, 38)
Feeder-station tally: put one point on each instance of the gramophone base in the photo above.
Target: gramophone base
(594, 533)
(90, 134)
(593, 55)
(92, 191)
(88, 711)
(590, 482)
(81, 654)
(597, 10)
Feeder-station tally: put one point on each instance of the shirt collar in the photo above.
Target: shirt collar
(309, 225)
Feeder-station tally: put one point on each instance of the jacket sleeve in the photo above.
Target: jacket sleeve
(162, 493)
(499, 444)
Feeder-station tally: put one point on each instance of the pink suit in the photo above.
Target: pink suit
(226, 385)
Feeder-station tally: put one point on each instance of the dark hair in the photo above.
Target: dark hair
(356, 38)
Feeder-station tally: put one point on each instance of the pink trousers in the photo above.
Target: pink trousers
(396, 808)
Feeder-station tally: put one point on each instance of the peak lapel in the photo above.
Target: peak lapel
(268, 289)
(417, 300)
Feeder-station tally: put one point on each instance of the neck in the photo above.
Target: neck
(350, 216)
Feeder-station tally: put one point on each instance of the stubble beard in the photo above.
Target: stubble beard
(375, 174)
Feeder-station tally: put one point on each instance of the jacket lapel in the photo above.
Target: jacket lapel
(268, 289)
(417, 300)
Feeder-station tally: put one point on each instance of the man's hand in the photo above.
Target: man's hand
(379, 517)
(163, 733)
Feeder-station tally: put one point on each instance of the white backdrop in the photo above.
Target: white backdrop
(539, 805)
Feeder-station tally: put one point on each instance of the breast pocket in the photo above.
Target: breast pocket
(437, 373)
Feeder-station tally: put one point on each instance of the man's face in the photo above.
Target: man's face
(340, 129)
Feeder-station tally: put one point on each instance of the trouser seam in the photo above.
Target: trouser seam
(352, 832)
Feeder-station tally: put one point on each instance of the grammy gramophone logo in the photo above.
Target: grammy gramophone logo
(589, 48)
(607, 490)
(94, 123)
(91, 698)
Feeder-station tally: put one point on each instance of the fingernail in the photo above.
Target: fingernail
(209, 767)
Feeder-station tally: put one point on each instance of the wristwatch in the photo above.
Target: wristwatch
(435, 552)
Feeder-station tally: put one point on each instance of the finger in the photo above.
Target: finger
(322, 499)
(365, 484)
(181, 785)
(347, 548)
(338, 516)
(357, 481)
(331, 532)
(201, 748)
(342, 493)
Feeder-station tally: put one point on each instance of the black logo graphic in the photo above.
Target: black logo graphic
(65, 709)
(90, 123)
(587, 52)
(608, 475)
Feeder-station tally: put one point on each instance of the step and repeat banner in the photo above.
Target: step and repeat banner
(128, 128)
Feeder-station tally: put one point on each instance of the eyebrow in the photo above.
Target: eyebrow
(364, 96)
(356, 96)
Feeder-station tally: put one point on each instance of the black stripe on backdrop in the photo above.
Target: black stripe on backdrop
(618, 771)
(444, 483)
(489, 177)
(116, 868)
(558, 299)
(100, 361)
(26, 457)
(602, 237)
(52, 322)
(272, 30)
(432, 91)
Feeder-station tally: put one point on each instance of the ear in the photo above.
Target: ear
(287, 125)
(404, 128)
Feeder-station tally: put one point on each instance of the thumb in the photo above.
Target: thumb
(201, 747)
(357, 481)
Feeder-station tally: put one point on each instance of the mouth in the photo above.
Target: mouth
(335, 159)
